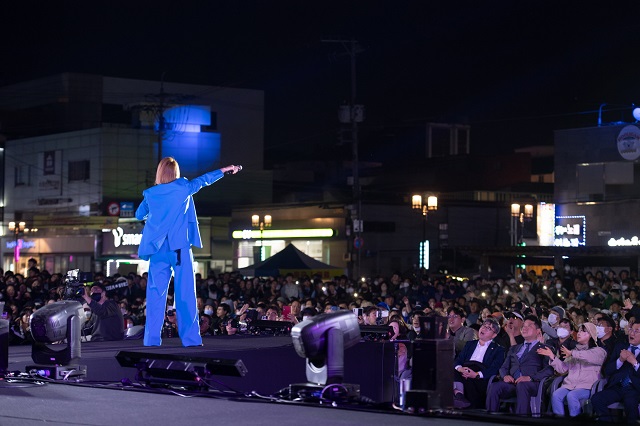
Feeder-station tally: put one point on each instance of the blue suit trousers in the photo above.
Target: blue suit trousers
(162, 265)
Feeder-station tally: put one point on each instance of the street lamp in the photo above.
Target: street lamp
(418, 205)
(17, 228)
(261, 224)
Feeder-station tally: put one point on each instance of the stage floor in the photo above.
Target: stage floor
(110, 394)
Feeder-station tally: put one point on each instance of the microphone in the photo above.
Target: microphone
(230, 172)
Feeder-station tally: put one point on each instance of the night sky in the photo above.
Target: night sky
(513, 70)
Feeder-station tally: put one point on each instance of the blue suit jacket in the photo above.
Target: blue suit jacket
(171, 215)
(533, 365)
(492, 360)
(615, 376)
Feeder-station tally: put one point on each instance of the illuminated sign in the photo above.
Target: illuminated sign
(248, 234)
(570, 231)
(24, 244)
(624, 242)
(629, 142)
(120, 238)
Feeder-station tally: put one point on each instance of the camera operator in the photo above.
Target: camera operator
(107, 319)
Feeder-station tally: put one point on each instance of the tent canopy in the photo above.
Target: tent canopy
(291, 260)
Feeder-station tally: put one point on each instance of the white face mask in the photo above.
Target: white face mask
(562, 332)
(553, 318)
(624, 323)
(600, 331)
(558, 286)
(591, 283)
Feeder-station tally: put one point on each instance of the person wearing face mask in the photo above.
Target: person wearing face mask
(106, 319)
(559, 292)
(564, 338)
(549, 326)
(605, 329)
(582, 364)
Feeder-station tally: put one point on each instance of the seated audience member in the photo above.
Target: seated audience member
(400, 333)
(478, 360)
(460, 333)
(623, 379)
(370, 315)
(582, 366)
(502, 338)
(564, 331)
(513, 327)
(273, 313)
(414, 333)
(606, 327)
(232, 327)
(222, 317)
(205, 325)
(308, 313)
(522, 370)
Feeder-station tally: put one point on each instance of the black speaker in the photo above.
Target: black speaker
(433, 369)
(421, 401)
(4, 346)
(433, 327)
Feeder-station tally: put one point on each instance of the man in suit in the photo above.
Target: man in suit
(623, 379)
(522, 370)
(478, 360)
(170, 230)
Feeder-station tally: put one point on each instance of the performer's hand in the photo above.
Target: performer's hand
(233, 169)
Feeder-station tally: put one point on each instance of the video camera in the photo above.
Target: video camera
(75, 283)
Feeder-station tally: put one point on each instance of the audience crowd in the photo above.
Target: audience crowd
(510, 334)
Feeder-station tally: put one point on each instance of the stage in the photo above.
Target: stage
(110, 394)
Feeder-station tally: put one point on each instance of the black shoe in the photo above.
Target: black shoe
(459, 401)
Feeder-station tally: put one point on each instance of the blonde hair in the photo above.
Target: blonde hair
(168, 170)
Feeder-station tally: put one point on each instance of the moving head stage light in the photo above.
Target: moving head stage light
(50, 326)
(322, 340)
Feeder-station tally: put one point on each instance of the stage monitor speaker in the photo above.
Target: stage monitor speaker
(4, 347)
(270, 328)
(375, 333)
(421, 401)
(433, 368)
(165, 369)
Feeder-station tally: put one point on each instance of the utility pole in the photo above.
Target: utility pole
(161, 122)
(353, 116)
(161, 102)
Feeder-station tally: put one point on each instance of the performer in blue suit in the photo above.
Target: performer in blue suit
(170, 230)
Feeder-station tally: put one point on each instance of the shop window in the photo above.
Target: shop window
(79, 170)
